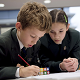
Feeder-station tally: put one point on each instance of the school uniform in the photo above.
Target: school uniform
(9, 50)
(52, 54)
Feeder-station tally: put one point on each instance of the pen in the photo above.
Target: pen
(23, 60)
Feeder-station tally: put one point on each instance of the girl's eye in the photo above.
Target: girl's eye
(61, 31)
(32, 36)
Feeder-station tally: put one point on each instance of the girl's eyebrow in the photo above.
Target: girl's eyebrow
(54, 31)
(61, 29)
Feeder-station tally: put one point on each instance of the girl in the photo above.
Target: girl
(60, 50)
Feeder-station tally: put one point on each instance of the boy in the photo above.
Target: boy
(33, 21)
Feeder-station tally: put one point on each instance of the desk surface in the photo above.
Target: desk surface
(48, 79)
(55, 76)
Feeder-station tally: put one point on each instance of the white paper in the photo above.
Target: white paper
(63, 75)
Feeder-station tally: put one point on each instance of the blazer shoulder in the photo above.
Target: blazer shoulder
(7, 33)
(37, 45)
(6, 37)
(74, 35)
(44, 40)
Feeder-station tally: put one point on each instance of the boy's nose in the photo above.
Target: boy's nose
(35, 41)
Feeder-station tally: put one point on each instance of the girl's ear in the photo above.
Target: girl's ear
(67, 27)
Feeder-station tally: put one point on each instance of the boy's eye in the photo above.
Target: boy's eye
(51, 32)
(32, 36)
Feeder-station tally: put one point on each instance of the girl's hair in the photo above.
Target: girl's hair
(35, 14)
(59, 16)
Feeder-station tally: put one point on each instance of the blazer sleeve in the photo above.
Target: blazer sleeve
(46, 59)
(6, 71)
(75, 52)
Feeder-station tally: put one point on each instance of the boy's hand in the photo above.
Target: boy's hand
(19, 65)
(29, 71)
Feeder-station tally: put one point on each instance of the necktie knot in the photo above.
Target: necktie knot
(23, 52)
(24, 49)
(24, 55)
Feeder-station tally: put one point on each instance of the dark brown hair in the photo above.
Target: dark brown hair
(35, 14)
(59, 16)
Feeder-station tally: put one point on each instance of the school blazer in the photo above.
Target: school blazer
(51, 56)
(9, 50)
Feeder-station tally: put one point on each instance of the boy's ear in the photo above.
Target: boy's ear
(67, 27)
(18, 26)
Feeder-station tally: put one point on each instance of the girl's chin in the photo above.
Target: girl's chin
(58, 42)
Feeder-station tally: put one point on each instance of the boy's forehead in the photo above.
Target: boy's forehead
(37, 32)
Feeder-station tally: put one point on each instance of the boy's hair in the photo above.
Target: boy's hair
(59, 16)
(35, 14)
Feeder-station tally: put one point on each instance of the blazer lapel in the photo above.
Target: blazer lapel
(30, 54)
(65, 47)
(15, 48)
(53, 47)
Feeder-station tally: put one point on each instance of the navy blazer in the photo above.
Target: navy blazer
(9, 50)
(51, 56)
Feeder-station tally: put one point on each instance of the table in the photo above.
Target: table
(55, 76)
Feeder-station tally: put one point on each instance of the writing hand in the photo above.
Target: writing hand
(29, 71)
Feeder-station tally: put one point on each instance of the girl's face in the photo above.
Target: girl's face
(29, 36)
(58, 32)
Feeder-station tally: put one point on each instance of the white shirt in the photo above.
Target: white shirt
(21, 46)
(20, 43)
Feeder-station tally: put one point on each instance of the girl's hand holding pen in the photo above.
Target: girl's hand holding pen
(29, 71)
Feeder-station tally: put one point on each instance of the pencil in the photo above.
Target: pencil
(23, 60)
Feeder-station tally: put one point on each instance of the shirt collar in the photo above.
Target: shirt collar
(61, 43)
(20, 43)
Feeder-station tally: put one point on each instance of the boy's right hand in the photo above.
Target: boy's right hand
(19, 65)
(29, 71)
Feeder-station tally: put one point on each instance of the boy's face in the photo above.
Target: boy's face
(29, 36)
(58, 32)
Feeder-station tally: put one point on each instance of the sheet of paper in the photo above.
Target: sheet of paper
(58, 76)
